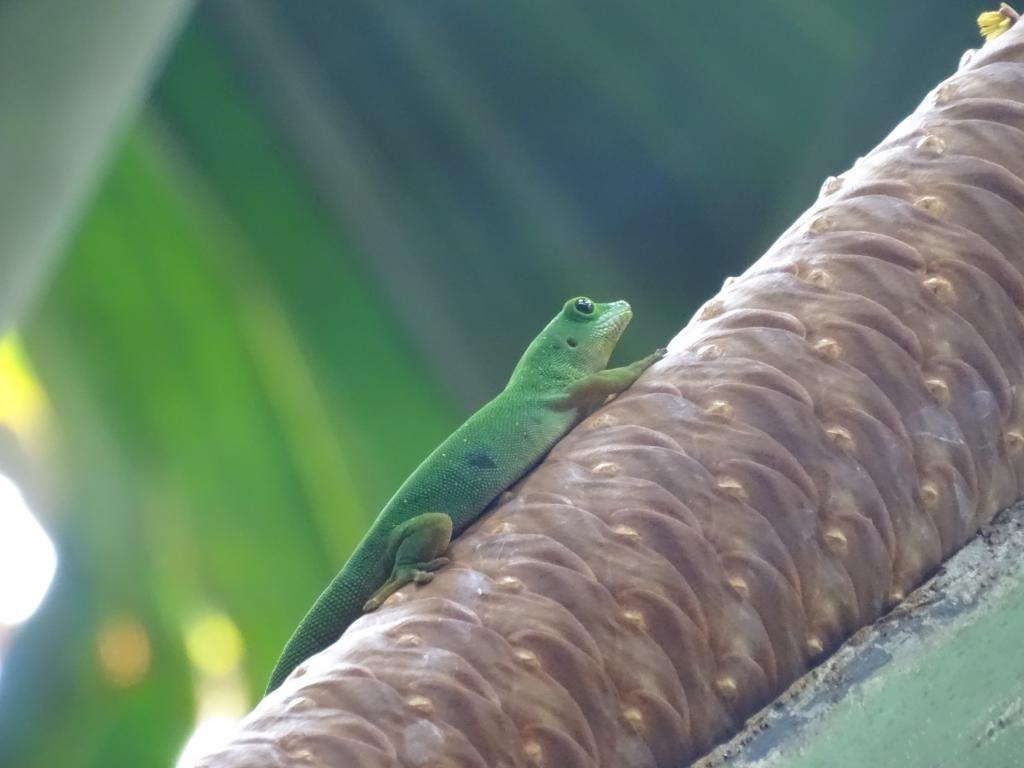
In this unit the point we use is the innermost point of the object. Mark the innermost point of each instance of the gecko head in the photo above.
(588, 332)
(578, 341)
(591, 329)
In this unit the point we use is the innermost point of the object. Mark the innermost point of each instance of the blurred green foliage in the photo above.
(327, 239)
(68, 86)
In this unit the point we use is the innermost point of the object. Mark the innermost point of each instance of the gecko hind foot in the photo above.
(417, 573)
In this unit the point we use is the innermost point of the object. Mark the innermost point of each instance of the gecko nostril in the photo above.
(571, 342)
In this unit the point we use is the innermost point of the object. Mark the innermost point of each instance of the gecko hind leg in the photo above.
(418, 545)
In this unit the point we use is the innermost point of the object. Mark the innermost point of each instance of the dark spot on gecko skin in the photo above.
(480, 460)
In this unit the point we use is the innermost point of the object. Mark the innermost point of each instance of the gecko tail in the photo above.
(332, 613)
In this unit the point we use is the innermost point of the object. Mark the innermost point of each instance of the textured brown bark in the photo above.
(822, 434)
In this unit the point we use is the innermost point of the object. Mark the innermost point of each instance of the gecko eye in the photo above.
(584, 305)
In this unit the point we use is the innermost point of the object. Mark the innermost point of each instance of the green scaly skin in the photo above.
(559, 380)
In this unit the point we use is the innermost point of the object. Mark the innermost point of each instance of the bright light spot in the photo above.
(208, 735)
(123, 648)
(27, 557)
(214, 647)
(23, 405)
(213, 644)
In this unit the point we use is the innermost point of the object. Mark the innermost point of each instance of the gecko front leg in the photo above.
(593, 389)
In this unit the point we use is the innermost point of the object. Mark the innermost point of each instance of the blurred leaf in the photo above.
(71, 76)
(222, 445)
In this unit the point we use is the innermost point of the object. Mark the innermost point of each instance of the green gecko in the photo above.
(559, 380)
